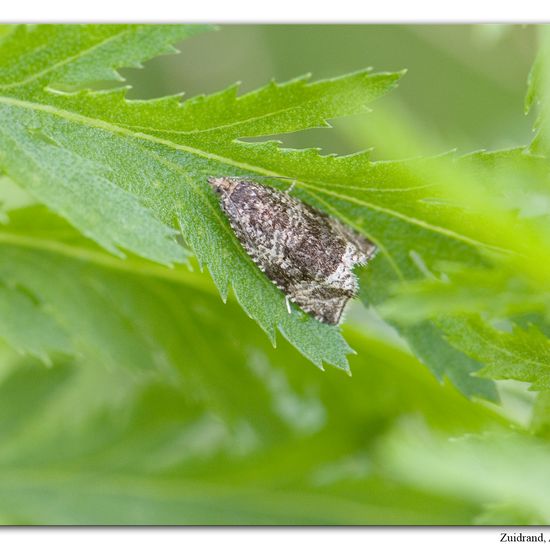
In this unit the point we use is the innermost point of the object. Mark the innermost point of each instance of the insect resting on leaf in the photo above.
(306, 253)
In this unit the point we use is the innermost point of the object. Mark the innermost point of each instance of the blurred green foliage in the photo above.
(465, 84)
(131, 394)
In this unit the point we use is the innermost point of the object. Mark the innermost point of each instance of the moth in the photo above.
(306, 253)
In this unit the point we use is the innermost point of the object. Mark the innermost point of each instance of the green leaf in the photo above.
(538, 89)
(128, 174)
(82, 54)
(426, 338)
(162, 455)
(27, 328)
(495, 291)
(120, 313)
(76, 276)
(501, 471)
(431, 213)
(178, 411)
(511, 352)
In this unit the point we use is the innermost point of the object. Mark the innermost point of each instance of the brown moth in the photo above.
(306, 253)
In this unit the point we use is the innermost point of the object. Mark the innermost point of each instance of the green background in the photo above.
(253, 435)
(465, 84)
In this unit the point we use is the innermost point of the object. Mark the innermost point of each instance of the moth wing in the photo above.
(365, 249)
(325, 302)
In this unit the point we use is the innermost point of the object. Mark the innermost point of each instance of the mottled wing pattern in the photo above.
(306, 253)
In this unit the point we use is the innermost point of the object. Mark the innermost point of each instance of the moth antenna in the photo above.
(292, 186)
(288, 305)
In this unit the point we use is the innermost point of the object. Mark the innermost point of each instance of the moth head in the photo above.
(222, 185)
